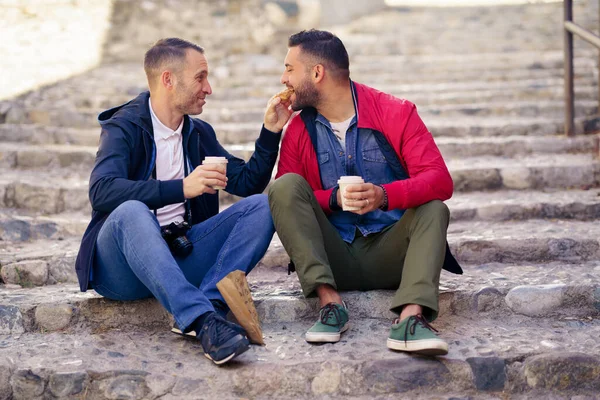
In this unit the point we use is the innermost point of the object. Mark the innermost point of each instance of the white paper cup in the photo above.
(343, 182)
(218, 161)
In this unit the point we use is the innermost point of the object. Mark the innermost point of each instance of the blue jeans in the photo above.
(134, 262)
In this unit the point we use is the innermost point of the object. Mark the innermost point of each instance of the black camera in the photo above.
(174, 235)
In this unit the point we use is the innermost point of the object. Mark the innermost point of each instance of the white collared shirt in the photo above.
(169, 164)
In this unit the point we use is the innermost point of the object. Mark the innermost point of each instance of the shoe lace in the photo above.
(330, 309)
(412, 323)
(220, 330)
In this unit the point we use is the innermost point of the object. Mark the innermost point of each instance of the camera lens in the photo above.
(181, 246)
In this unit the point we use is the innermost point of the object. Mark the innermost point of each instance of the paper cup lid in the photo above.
(350, 179)
(215, 160)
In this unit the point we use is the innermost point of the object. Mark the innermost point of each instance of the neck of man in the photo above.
(337, 104)
(169, 117)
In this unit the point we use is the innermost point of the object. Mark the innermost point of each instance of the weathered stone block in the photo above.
(35, 159)
(563, 371)
(516, 178)
(41, 117)
(26, 273)
(61, 269)
(404, 374)
(11, 320)
(186, 387)
(283, 309)
(53, 317)
(480, 179)
(15, 230)
(65, 384)
(536, 300)
(5, 374)
(27, 385)
(327, 380)
(488, 299)
(43, 199)
(75, 199)
(489, 373)
(75, 158)
(124, 385)
(160, 385)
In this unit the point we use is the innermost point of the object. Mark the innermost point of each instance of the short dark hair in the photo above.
(167, 51)
(326, 49)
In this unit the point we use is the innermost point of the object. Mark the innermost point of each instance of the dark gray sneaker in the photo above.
(220, 308)
(221, 339)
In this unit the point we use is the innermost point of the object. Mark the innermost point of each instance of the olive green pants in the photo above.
(406, 256)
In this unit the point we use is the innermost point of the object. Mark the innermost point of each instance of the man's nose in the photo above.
(207, 88)
(283, 79)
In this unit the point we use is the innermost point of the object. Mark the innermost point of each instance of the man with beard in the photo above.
(156, 230)
(395, 238)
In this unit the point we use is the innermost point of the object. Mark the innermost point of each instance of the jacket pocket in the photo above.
(373, 155)
(323, 157)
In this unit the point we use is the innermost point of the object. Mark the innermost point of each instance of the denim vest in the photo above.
(363, 157)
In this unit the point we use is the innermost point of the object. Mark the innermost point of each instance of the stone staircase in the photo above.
(522, 322)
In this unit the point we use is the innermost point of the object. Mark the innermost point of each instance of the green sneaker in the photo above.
(415, 335)
(333, 321)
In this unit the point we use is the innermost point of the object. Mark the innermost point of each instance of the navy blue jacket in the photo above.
(126, 159)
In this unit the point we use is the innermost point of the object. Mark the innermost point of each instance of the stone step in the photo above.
(533, 358)
(251, 109)
(49, 135)
(405, 90)
(403, 71)
(583, 205)
(423, 67)
(537, 290)
(484, 109)
(236, 133)
(59, 103)
(42, 156)
(51, 132)
(50, 259)
(61, 190)
(426, 65)
(19, 226)
(453, 98)
(15, 226)
(531, 172)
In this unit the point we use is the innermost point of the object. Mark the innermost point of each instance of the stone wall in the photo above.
(47, 40)
(222, 27)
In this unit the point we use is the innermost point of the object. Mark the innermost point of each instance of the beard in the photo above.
(185, 101)
(306, 96)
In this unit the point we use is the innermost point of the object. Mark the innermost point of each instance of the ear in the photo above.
(167, 80)
(318, 73)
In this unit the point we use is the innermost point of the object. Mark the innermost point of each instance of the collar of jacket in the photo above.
(137, 112)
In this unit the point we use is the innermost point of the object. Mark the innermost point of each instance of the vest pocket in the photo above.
(323, 157)
(375, 167)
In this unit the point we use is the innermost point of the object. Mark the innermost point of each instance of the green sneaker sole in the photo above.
(325, 337)
(428, 347)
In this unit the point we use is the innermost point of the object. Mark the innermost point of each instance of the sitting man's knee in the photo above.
(436, 209)
(131, 209)
(286, 186)
(259, 204)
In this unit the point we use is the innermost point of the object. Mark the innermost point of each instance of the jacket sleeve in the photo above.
(110, 185)
(291, 162)
(429, 178)
(252, 177)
